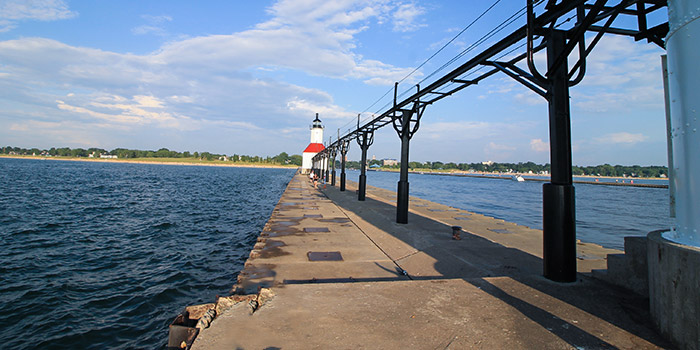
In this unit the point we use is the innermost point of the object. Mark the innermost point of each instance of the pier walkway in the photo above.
(346, 276)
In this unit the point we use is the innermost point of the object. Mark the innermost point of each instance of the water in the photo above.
(604, 214)
(104, 255)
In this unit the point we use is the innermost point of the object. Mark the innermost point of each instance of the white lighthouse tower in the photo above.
(314, 147)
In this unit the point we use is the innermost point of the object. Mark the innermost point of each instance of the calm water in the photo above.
(100, 255)
(604, 214)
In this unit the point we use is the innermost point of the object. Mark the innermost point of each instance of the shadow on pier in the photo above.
(502, 260)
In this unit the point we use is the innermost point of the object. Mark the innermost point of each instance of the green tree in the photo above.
(296, 159)
(281, 158)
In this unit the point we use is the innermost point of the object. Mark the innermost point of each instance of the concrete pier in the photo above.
(342, 274)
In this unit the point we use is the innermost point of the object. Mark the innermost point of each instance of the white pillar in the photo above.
(683, 50)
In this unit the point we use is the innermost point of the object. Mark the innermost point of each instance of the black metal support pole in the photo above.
(333, 168)
(559, 216)
(402, 192)
(343, 153)
(362, 188)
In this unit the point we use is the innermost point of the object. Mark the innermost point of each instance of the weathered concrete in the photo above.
(674, 290)
(412, 286)
(628, 270)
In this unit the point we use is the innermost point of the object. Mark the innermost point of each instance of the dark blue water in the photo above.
(589, 179)
(604, 214)
(104, 255)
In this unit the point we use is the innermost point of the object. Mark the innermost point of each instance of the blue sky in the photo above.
(246, 77)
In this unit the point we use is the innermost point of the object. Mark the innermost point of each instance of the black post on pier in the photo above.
(315, 167)
(365, 139)
(559, 215)
(403, 127)
(343, 153)
(333, 153)
(402, 193)
(326, 160)
(318, 167)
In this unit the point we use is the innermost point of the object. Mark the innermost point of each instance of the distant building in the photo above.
(108, 156)
(487, 163)
(314, 147)
(389, 162)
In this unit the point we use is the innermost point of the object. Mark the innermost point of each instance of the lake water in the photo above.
(604, 214)
(104, 255)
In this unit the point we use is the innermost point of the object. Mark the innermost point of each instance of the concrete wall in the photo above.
(306, 162)
(674, 290)
(628, 270)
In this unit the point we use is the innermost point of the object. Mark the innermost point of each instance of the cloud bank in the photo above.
(193, 84)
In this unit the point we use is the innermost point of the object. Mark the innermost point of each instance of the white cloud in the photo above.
(224, 82)
(621, 137)
(12, 11)
(538, 145)
(466, 129)
(622, 75)
(138, 110)
(6, 26)
(306, 108)
(195, 84)
(43, 10)
(500, 147)
(405, 17)
(155, 25)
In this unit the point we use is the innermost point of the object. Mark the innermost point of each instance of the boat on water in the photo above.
(518, 178)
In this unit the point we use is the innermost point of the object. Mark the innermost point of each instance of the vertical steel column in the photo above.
(559, 216)
(343, 154)
(327, 165)
(362, 188)
(402, 192)
(333, 154)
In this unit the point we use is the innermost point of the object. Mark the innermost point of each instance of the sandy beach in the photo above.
(168, 161)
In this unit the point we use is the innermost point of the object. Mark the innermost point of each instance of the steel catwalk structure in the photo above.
(513, 55)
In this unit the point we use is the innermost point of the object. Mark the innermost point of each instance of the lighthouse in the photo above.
(314, 147)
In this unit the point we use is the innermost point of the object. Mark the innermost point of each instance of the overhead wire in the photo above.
(504, 24)
(507, 22)
(434, 54)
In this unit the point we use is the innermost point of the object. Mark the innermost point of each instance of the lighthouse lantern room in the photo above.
(314, 147)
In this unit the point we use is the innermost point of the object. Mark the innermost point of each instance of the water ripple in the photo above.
(100, 255)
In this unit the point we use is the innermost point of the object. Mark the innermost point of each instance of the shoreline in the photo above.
(544, 178)
(127, 161)
(504, 175)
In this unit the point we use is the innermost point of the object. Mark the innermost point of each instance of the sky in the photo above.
(247, 77)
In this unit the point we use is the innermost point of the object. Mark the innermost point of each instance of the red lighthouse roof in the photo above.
(314, 148)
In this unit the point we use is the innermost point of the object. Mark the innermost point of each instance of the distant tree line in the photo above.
(282, 158)
(527, 167)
